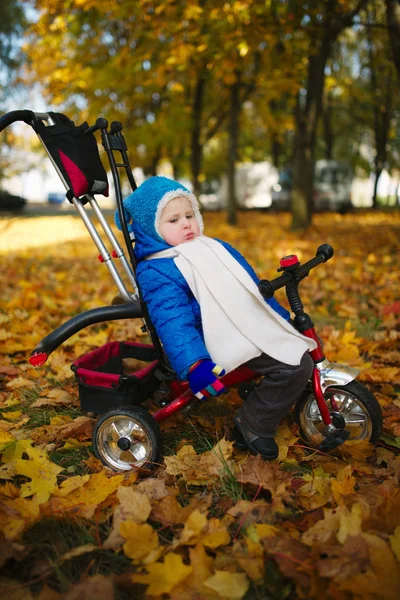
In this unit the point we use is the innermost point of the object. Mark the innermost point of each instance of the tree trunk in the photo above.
(328, 132)
(276, 151)
(301, 196)
(393, 22)
(233, 132)
(150, 168)
(308, 110)
(378, 173)
(196, 146)
(381, 87)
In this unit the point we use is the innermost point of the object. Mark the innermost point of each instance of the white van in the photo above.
(254, 182)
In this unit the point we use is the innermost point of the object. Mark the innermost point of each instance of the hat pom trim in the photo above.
(171, 195)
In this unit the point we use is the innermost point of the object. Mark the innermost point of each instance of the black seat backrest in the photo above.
(75, 153)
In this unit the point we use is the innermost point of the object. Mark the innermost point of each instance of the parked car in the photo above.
(9, 202)
(56, 197)
(332, 187)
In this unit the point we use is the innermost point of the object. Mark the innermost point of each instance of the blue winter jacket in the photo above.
(173, 309)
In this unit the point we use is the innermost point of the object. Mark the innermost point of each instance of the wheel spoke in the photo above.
(138, 451)
(114, 432)
(114, 449)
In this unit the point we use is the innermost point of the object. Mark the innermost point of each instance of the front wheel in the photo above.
(352, 407)
(127, 438)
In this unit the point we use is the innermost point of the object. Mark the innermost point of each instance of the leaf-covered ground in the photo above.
(213, 522)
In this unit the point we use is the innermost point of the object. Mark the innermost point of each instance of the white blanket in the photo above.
(238, 325)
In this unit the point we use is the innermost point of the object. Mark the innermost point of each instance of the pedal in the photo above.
(334, 440)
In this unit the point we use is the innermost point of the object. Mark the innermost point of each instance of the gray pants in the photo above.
(275, 395)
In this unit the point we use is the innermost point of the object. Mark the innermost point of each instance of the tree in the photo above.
(393, 23)
(316, 27)
(11, 25)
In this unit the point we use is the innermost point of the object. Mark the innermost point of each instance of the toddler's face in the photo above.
(178, 223)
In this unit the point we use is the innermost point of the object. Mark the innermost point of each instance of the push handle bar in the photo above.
(295, 273)
(16, 115)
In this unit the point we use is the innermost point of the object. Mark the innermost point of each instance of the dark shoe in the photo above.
(267, 448)
(238, 439)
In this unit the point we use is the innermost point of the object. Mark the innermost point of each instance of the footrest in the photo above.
(333, 440)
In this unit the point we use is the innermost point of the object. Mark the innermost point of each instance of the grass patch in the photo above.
(193, 435)
(72, 460)
(51, 539)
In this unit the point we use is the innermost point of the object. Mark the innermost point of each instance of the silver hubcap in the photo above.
(342, 403)
(124, 443)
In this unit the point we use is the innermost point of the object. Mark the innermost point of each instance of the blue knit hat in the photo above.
(145, 205)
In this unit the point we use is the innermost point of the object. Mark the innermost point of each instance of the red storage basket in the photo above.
(102, 383)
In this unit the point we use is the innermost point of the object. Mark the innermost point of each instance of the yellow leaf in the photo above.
(350, 522)
(12, 401)
(12, 416)
(343, 484)
(228, 585)
(265, 531)
(216, 534)
(162, 577)
(194, 525)
(395, 542)
(5, 439)
(176, 87)
(133, 506)
(57, 396)
(85, 499)
(72, 444)
(322, 530)
(202, 468)
(42, 472)
(243, 48)
(20, 382)
(71, 484)
(192, 586)
(9, 490)
(141, 540)
(315, 493)
(17, 515)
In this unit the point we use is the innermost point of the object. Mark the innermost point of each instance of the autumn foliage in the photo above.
(212, 522)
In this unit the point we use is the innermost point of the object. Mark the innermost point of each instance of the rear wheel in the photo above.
(127, 438)
(352, 407)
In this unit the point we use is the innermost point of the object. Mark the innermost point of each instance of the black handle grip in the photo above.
(116, 127)
(268, 288)
(100, 124)
(16, 115)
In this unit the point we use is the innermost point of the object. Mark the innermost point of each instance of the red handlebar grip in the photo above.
(38, 359)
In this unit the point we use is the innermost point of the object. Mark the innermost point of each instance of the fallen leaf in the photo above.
(134, 507)
(228, 585)
(141, 542)
(163, 577)
(54, 397)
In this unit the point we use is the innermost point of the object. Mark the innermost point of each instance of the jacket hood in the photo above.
(143, 208)
(145, 244)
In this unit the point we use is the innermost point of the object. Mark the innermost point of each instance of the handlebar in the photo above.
(16, 115)
(297, 272)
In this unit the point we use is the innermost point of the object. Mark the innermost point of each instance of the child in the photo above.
(204, 303)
